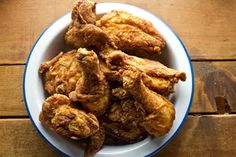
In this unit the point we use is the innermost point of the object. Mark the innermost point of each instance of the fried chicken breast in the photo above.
(131, 33)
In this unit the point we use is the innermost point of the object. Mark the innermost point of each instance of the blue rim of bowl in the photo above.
(163, 145)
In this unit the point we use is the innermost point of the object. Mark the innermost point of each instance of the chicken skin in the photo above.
(123, 120)
(92, 90)
(131, 33)
(160, 111)
(156, 76)
(61, 73)
(96, 142)
(82, 31)
(58, 113)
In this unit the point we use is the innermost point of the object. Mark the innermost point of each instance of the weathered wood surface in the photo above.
(206, 27)
(208, 135)
(215, 88)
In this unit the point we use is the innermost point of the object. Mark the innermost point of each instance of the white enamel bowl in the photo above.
(51, 42)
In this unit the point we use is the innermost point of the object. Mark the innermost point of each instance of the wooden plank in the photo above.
(208, 135)
(11, 98)
(20, 139)
(215, 89)
(206, 27)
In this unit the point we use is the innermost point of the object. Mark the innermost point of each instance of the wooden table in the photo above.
(207, 28)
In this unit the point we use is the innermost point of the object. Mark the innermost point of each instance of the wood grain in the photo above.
(208, 135)
(11, 94)
(212, 81)
(206, 27)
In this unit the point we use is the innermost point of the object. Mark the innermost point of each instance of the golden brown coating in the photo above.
(61, 73)
(160, 111)
(84, 12)
(92, 90)
(82, 31)
(59, 115)
(123, 120)
(120, 93)
(96, 142)
(131, 33)
(156, 76)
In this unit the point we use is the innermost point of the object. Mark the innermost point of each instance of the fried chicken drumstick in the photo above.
(161, 112)
(92, 90)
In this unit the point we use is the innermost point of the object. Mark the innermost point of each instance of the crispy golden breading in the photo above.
(156, 76)
(82, 31)
(59, 114)
(160, 111)
(109, 97)
(131, 33)
(95, 143)
(61, 73)
(123, 120)
(92, 90)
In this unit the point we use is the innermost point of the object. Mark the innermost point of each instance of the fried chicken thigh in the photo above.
(156, 76)
(92, 90)
(160, 111)
(61, 73)
(131, 33)
(59, 114)
(82, 31)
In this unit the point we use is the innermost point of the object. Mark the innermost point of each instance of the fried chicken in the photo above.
(58, 113)
(61, 73)
(156, 76)
(92, 90)
(123, 120)
(131, 33)
(160, 111)
(82, 31)
(95, 143)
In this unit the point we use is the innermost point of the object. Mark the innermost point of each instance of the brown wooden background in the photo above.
(207, 28)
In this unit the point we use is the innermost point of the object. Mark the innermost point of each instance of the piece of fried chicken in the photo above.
(58, 113)
(160, 111)
(123, 120)
(82, 31)
(96, 142)
(61, 73)
(131, 33)
(156, 76)
(92, 90)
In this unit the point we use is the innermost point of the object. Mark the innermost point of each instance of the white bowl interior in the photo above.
(52, 42)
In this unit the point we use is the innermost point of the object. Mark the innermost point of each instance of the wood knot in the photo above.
(222, 105)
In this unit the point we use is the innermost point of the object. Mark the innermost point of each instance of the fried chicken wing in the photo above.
(82, 31)
(131, 33)
(61, 73)
(156, 76)
(59, 114)
(160, 111)
(92, 90)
